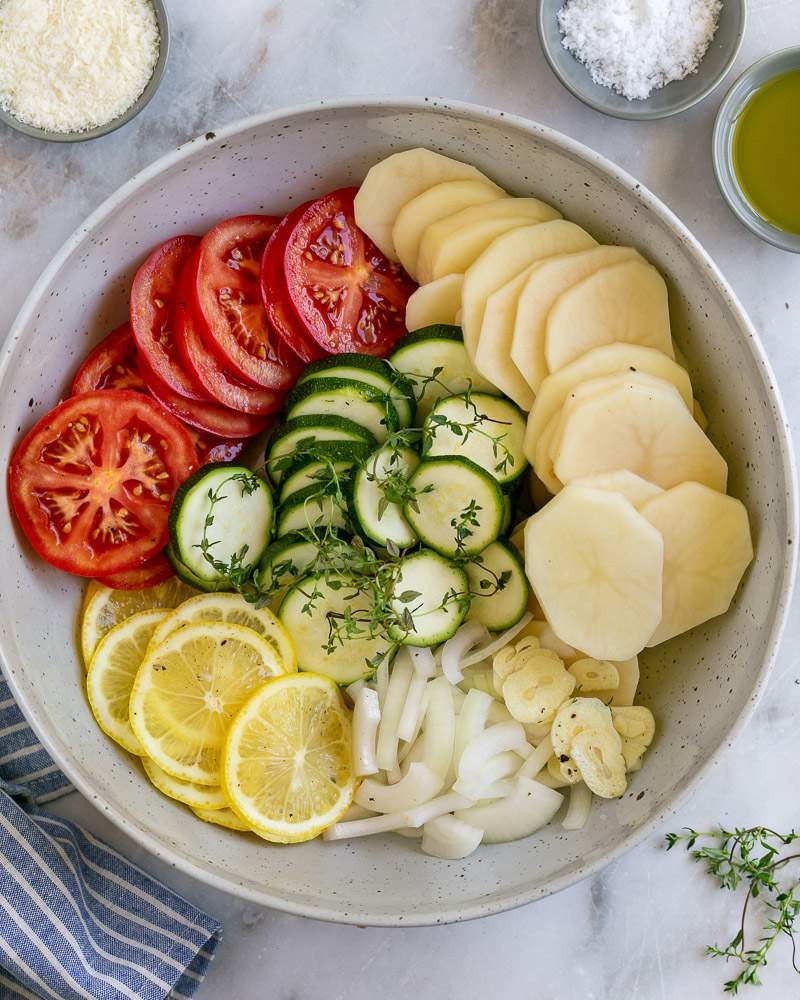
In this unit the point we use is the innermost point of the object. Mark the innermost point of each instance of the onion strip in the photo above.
(502, 640)
(391, 711)
(424, 661)
(454, 650)
(538, 759)
(580, 804)
(418, 785)
(489, 743)
(411, 716)
(366, 716)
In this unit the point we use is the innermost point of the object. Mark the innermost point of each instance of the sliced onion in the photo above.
(439, 727)
(364, 827)
(382, 680)
(580, 804)
(529, 807)
(353, 689)
(499, 713)
(492, 741)
(454, 650)
(502, 765)
(391, 710)
(418, 785)
(538, 759)
(471, 720)
(407, 746)
(354, 812)
(502, 640)
(411, 717)
(480, 676)
(450, 838)
(424, 661)
(393, 775)
(366, 716)
(439, 806)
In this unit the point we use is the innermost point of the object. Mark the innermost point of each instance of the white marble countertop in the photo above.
(638, 929)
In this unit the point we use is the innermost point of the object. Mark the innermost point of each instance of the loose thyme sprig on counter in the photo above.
(752, 856)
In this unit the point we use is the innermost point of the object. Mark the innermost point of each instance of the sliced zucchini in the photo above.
(431, 599)
(419, 354)
(188, 577)
(305, 610)
(286, 560)
(508, 513)
(498, 586)
(308, 509)
(292, 439)
(242, 519)
(363, 404)
(374, 499)
(313, 467)
(374, 372)
(458, 508)
(488, 429)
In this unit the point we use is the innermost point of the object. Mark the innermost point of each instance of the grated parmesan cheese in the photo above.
(71, 65)
(637, 46)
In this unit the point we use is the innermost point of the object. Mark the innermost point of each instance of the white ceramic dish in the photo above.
(702, 687)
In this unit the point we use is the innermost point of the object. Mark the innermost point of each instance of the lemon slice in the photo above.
(103, 608)
(222, 817)
(196, 796)
(112, 671)
(235, 609)
(286, 766)
(188, 689)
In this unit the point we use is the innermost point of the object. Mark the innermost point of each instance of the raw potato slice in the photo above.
(647, 430)
(608, 360)
(546, 282)
(503, 260)
(509, 211)
(437, 302)
(635, 489)
(501, 308)
(624, 303)
(699, 416)
(624, 694)
(595, 566)
(707, 548)
(436, 203)
(393, 182)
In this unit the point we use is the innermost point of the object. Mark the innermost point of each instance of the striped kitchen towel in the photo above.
(77, 919)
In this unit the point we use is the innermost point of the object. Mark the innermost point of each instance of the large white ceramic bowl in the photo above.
(701, 687)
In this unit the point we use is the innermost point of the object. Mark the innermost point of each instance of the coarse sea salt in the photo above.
(637, 46)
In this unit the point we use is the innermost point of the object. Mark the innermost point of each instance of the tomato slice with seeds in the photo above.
(113, 364)
(155, 570)
(153, 294)
(214, 449)
(204, 366)
(227, 296)
(275, 297)
(92, 482)
(347, 295)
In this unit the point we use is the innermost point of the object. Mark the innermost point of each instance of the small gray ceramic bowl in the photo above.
(675, 97)
(722, 145)
(120, 120)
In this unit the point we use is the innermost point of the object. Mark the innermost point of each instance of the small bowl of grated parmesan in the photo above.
(72, 70)
(641, 59)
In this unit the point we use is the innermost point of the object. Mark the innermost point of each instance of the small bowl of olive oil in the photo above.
(756, 149)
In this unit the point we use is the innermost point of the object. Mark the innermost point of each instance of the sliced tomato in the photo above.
(208, 417)
(280, 312)
(155, 570)
(153, 295)
(228, 301)
(113, 364)
(347, 295)
(92, 482)
(214, 449)
(205, 367)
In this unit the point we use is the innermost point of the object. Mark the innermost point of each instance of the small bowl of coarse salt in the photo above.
(641, 59)
(72, 70)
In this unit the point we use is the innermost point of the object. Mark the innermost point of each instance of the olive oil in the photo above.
(766, 151)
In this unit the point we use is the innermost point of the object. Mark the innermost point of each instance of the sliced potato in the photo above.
(624, 303)
(395, 181)
(435, 203)
(700, 418)
(624, 694)
(644, 428)
(437, 302)
(607, 360)
(595, 566)
(707, 548)
(635, 489)
(504, 259)
(440, 246)
(492, 353)
(545, 283)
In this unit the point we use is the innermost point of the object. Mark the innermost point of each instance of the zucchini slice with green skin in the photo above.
(508, 513)
(498, 586)
(305, 470)
(294, 437)
(286, 560)
(309, 510)
(420, 353)
(431, 597)
(344, 397)
(372, 371)
(304, 611)
(186, 575)
(242, 517)
(488, 429)
(380, 519)
(458, 507)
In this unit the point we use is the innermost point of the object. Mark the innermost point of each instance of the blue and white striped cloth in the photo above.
(78, 921)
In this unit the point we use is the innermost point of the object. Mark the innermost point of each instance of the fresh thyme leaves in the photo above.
(474, 425)
(463, 524)
(237, 570)
(753, 857)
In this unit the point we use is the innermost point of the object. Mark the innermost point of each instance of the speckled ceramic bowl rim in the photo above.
(499, 902)
(732, 106)
(641, 114)
(138, 105)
